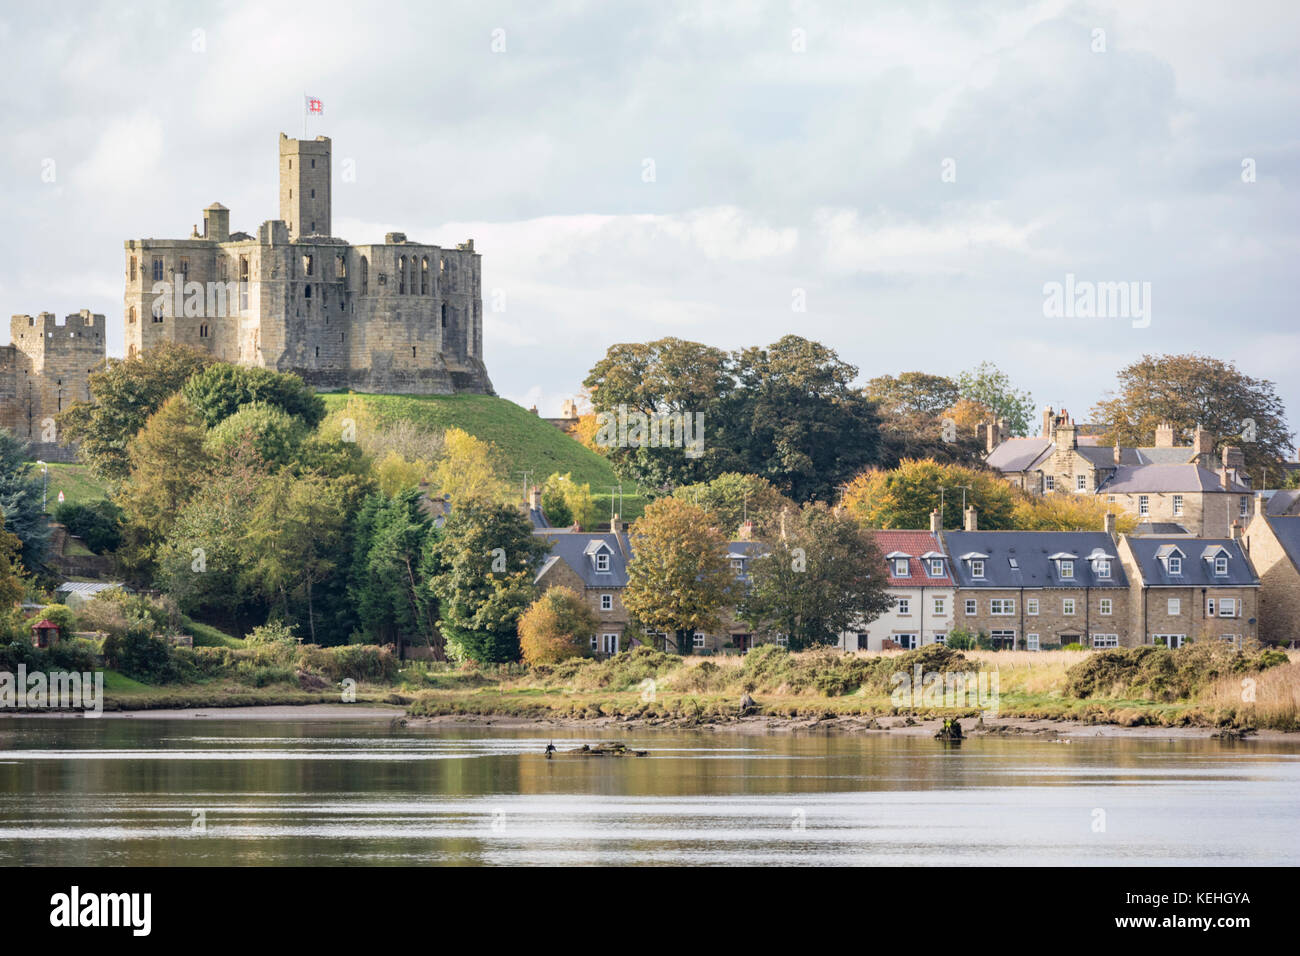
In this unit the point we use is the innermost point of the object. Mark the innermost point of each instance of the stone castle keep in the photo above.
(401, 317)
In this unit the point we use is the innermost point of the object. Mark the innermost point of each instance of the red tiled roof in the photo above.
(45, 625)
(913, 544)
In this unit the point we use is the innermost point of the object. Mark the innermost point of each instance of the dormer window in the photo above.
(1221, 564)
(1067, 569)
(976, 568)
(602, 562)
(1175, 564)
(901, 569)
(936, 567)
(1103, 568)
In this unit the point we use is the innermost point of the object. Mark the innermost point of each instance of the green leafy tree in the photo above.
(480, 568)
(992, 388)
(679, 578)
(168, 464)
(732, 498)
(222, 389)
(97, 523)
(276, 436)
(924, 416)
(566, 502)
(1190, 390)
(669, 376)
(20, 500)
(13, 583)
(819, 575)
(796, 420)
(125, 393)
(393, 602)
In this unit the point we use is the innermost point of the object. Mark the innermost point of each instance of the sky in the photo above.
(899, 181)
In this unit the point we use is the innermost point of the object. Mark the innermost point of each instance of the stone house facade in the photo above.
(1036, 590)
(1272, 543)
(1187, 588)
(922, 586)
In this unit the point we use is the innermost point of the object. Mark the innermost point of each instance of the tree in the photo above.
(913, 392)
(679, 578)
(820, 574)
(565, 502)
(480, 568)
(125, 393)
(1190, 390)
(275, 435)
(669, 376)
(168, 463)
(557, 626)
(795, 419)
(1061, 511)
(20, 500)
(393, 602)
(13, 583)
(732, 498)
(905, 496)
(469, 469)
(219, 390)
(992, 388)
(294, 538)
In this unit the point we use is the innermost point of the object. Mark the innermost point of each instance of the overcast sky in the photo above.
(630, 171)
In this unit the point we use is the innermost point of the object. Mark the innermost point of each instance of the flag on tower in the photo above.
(314, 105)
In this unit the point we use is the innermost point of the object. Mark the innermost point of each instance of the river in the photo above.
(248, 792)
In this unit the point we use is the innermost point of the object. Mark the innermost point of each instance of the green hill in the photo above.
(527, 442)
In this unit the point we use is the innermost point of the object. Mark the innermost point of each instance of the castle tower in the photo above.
(305, 185)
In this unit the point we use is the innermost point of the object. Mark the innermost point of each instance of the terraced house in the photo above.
(921, 584)
(1272, 543)
(1037, 590)
(1190, 588)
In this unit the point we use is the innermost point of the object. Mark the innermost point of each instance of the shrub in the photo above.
(98, 524)
(140, 655)
(557, 626)
(960, 640)
(1161, 674)
(358, 662)
(73, 654)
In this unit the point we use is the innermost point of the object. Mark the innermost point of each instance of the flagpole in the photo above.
(304, 116)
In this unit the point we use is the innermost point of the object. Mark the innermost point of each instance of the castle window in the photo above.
(313, 166)
(412, 351)
(306, 292)
(133, 268)
(157, 311)
(203, 331)
(444, 315)
(424, 275)
(290, 193)
(157, 270)
(313, 228)
(291, 164)
(365, 275)
(307, 265)
(341, 268)
(130, 315)
(185, 267)
(318, 351)
(313, 192)
(401, 275)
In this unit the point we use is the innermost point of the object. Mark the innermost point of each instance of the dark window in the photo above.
(157, 270)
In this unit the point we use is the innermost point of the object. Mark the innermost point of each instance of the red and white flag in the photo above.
(314, 105)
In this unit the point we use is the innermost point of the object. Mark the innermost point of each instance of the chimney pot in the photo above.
(971, 519)
(1108, 523)
(936, 521)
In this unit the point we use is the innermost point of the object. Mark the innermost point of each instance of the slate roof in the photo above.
(1103, 456)
(1198, 564)
(1032, 551)
(1142, 479)
(913, 544)
(577, 550)
(1164, 455)
(1286, 502)
(1287, 530)
(1165, 528)
(1019, 454)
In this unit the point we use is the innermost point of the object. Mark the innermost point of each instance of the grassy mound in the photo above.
(530, 443)
(1157, 673)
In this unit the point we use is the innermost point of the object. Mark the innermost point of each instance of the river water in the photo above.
(251, 792)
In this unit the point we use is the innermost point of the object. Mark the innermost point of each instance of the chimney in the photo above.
(1236, 530)
(1164, 435)
(1203, 447)
(746, 532)
(216, 223)
(992, 435)
(1225, 478)
(1047, 422)
(614, 525)
(535, 498)
(1117, 452)
(1234, 458)
(1260, 506)
(1067, 433)
(971, 522)
(936, 521)
(1108, 523)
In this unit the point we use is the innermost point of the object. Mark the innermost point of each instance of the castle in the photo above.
(401, 317)
(45, 368)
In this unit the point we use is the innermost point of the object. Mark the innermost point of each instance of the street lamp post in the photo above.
(45, 482)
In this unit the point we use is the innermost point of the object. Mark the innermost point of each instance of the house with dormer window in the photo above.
(921, 585)
(1037, 590)
(1187, 589)
(1272, 542)
(594, 564)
